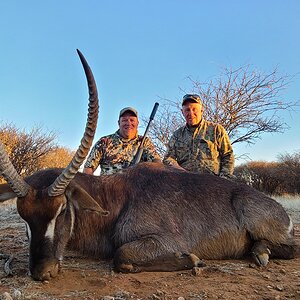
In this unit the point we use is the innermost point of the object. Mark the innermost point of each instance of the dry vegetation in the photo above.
(34, 150)
(83, 278)
(246, 101)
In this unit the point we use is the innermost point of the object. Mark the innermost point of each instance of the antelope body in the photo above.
(148, 218)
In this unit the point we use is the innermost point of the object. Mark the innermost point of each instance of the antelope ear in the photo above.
(6, 193)
(82, 200)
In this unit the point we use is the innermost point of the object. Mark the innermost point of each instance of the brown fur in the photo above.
(159, 219)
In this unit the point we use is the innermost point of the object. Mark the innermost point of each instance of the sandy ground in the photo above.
(83, 278)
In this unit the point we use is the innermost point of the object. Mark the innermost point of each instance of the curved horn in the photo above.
(8, 171)
(61, 182)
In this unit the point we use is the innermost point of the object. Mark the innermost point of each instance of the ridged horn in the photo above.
(61, 182)
(8, 171)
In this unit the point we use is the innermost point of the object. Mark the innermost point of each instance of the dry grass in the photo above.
(89, 279)
(291, 205)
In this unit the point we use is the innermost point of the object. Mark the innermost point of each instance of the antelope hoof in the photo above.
(262, 259)
(196, 261)
(260, 253)
(128, 268)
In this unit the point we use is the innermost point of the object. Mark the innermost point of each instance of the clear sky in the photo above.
(139, 51)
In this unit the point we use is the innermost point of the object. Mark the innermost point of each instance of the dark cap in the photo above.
(191, 98)
(130, 109)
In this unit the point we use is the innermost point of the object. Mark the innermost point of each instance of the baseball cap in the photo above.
(130, 109)
(191, 98)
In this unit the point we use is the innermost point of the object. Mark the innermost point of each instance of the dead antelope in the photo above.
(160, 218)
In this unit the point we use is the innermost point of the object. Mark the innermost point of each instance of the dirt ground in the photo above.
(83, 278)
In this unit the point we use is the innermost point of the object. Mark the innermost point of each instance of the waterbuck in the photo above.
(148, 218)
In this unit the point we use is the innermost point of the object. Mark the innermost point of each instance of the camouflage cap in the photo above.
(191, 98)
(130, 109)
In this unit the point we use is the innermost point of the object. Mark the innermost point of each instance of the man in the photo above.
(115, 152)
(200, 146)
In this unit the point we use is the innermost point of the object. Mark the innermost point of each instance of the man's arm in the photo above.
(226, 153)
(149, 151)
(170, 156)
(94, 158)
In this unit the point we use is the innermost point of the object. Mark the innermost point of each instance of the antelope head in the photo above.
(44, 199)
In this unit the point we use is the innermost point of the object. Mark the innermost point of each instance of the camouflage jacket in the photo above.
(204, 149)
(114, 153)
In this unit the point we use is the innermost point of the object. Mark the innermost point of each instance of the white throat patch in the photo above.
(51, 226)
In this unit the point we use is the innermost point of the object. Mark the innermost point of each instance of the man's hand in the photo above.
(88, 171)
(227, 176)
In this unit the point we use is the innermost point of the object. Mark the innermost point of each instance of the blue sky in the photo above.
(139, 51)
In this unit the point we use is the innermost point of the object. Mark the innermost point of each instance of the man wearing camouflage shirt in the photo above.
(115, 152)
(200, 146)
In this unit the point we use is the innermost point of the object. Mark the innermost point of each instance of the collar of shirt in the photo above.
(195, 129)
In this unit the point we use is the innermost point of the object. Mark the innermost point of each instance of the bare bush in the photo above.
(33, 150)
(290, 171)
(261, 175)
(273, 178)
(246, 102)
(59, 157)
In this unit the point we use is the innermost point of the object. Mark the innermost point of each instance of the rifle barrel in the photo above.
(139, 153)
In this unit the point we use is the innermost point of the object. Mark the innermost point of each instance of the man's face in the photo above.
(192, 113)
(128, 124)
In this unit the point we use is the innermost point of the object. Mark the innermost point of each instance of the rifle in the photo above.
(139, 153)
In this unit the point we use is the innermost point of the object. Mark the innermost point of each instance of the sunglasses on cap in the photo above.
(191, 97)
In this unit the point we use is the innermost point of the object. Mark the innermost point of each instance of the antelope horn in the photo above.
(61, 182)
(8, 171)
